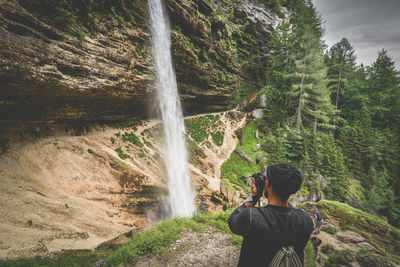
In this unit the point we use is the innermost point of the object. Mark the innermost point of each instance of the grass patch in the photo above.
(66, 258)
(201, 127)
(90, 151)
(309, 255)
(131, 137)
(141, 154)
(218, 138)
(337, 258)
(158, 239)
(249, 141)
(195, 151)
(147, 143)
(127, 124)
(331, 230)
(121, 153)
(326, 248)
(233, 169)
(155, 241)
(373, 228)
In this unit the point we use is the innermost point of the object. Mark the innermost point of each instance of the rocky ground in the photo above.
(197, 249)
(214, 249)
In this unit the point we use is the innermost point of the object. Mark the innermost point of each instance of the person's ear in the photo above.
(266, 183)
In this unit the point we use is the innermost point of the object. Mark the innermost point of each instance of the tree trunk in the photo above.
(298, 123)
(338, 87)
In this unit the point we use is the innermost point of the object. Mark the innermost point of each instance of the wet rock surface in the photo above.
(100, 67)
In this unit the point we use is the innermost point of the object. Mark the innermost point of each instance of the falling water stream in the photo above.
(180, 190)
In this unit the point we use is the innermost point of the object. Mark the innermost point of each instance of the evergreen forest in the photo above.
(334, 118)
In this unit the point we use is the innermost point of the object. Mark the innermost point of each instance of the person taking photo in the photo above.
(272, 232)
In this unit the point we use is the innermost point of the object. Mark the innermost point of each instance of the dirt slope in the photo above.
(75, 192)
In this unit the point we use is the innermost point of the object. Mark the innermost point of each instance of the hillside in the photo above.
(205, 240)
(76, 192)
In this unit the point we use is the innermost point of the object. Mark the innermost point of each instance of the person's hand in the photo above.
(254, 191)
(253, 194)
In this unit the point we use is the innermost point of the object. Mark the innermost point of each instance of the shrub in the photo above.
(90, 151)
(331, 230)
(218, 138)
(131, 137)
(337, 258)
(326, 249)
(309, 255)
(121, 154)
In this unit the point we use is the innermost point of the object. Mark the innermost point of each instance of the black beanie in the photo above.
(284, 178)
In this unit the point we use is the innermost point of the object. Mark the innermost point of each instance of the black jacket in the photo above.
(263, 230)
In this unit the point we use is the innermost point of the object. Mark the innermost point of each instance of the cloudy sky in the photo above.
(369, 25)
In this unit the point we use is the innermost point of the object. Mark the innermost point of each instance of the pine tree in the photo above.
(355, 94)
(341, 62)
(309, 85)
(384, 91)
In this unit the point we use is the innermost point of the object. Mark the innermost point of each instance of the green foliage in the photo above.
(112, 139)
(218, 138)
(65, 259)
(380, 195)
(80, 35)
(141, 154)
(90, 151)
(315, 153)
(120, 18)
(248, 142)
(61, 18)
(147, 143)
(243, 93)
(331, 230)
(158, 239)
(201, 127)
(384, 92)
(309, 90)
(341, 61)
(326, 248)
(338, 257)
(121, 153)
(155, 241)
(131, 137)
(127, 124)
(370, 226)
(195, 151)
(235, 167)
(275, 148)
(309, 255)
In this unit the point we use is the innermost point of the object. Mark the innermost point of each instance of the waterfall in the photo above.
(181, 194)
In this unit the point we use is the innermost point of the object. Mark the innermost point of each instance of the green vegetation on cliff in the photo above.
(377, 231)
(236, 167)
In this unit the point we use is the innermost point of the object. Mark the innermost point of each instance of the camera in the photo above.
(260, 183)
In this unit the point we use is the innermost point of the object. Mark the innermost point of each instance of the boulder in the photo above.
(296, 199)
(370, 260)
(350, 237)
(243, 156)
(257, 113)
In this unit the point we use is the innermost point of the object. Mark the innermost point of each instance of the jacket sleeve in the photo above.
(239, 221)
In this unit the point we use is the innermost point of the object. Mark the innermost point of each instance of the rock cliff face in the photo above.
(76, 60)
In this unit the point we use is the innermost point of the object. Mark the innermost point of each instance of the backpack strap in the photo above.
(286, 255)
